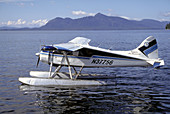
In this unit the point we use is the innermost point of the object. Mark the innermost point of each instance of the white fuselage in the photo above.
(93, 61)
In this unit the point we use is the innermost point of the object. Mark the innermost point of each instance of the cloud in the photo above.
(39, 22)
(78, 12)
(164, 20)
(125, 17)
(19, 22)
(166, 14)
(128, 18)
(14, 0)
(21, 4)
(14, 23)
(23, 23)
(82, 13)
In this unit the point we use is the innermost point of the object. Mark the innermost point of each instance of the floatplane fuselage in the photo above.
(78, 53)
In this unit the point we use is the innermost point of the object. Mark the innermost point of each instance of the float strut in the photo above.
(79, 72)
(56, 70)
(74, 70)
(69, 68)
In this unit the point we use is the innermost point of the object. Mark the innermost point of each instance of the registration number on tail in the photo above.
(102, 61)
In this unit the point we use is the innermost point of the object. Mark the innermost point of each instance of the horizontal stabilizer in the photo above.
(156, 64)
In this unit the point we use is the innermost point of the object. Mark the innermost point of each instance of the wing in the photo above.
(80, 40)
(73, 45)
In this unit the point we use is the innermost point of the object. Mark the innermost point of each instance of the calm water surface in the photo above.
(132, 90)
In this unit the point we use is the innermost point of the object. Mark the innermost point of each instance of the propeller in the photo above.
(38, 61)
(50, 50)
(38, 54)
(45, 48)
(49, 57)
(51, 64)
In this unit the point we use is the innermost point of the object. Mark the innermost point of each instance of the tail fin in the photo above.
(149, 47)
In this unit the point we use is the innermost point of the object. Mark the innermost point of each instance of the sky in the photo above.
(35, 13)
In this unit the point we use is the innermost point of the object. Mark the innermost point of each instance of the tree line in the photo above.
(168, 26)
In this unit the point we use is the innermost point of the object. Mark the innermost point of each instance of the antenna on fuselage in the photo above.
(41, 44)
(99, 45)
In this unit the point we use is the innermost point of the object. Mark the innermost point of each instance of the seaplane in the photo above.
(78, 54)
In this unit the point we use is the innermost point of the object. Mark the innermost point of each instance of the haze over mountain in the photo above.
(102, 22)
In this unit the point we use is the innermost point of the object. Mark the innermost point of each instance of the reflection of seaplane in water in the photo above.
(78, 53)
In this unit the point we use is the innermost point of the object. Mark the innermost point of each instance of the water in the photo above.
(133, 90)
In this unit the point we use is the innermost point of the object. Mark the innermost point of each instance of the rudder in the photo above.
(149, 47)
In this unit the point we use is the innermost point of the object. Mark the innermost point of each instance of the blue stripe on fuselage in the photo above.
(58, 55)
(113, 58)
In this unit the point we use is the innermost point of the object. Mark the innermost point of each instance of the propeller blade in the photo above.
(51, 65)
(49, 57)
(38, 61)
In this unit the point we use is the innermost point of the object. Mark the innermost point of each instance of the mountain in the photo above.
(102, 22)
(7, 28)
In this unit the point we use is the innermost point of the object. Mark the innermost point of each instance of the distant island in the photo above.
(167, 26)
(99, 22)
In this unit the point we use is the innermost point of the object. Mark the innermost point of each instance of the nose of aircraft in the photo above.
(37, 54)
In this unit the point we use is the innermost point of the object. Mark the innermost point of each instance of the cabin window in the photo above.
(69, 53)
(90, 52)
(57, 52)
(75, 53)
